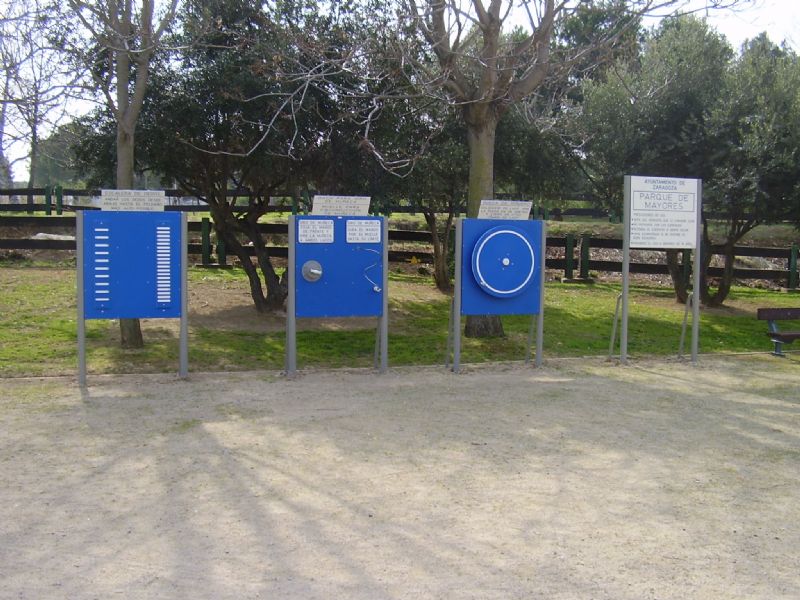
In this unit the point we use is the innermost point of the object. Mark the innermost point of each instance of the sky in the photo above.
(779, 18)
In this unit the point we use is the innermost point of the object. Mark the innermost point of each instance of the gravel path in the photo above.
(583, 479)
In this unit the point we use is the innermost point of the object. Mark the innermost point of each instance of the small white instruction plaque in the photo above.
(513, 210)
(663, 212)
(363, 231)
(341, 206)
(315, 231)
(137, 200)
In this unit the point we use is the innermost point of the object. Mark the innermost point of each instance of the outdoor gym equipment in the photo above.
(499, 271)
(338, 267)
(131, 265)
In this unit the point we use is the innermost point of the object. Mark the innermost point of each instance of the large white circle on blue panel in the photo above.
(503, 262)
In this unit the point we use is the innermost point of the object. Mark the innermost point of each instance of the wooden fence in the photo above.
(575, 258)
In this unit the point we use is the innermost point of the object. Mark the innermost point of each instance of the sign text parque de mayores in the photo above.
(664, 201)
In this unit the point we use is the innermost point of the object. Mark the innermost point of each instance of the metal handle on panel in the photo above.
(312, 271)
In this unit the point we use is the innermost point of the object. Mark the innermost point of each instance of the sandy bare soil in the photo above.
(583, 479)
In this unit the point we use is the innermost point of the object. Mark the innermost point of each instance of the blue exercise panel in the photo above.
(131, 265)
(500, 267)
(338, 268)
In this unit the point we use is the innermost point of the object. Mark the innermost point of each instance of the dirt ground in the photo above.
(581, 479)
(219, 304)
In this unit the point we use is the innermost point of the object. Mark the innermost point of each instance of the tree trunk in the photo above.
(34, 160)
(275, 291)
(677, 272)
(480, 139)
(441, 250)
(130, 330)
(233, 245)
(481, 130)
(6, 180)
(33, 169)
(725, 283)
(125, 142)
(34, 155)
(228, 227)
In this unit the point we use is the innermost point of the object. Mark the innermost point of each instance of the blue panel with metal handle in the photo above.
(338, 266)
(132, 265)
(501, 267)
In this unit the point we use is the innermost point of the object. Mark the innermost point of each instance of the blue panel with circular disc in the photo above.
(500, 271)
(503, 262)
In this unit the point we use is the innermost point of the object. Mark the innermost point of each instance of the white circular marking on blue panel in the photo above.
(502, 266)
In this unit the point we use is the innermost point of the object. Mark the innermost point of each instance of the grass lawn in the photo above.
(38, 327)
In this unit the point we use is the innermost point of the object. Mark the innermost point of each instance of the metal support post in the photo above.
(696, 286)
(384, 320)
(80, 300)
(457, 301)
(540, 315)
(689, 303)
(614, 328)
(183, 367)
(626, 266)
(291, 318)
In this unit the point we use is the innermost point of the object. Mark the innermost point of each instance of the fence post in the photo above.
(59, 199)
(793, 267)
(222, 257)
(205, 235)
(48, 200)
(586, 244)
(569, 256)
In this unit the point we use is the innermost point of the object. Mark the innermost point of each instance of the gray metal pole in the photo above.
(183, 369)
(626, 264)
(384, 324)
(80, 302)
(457, 300)
(614, 328)
(682, 343)
(291, 319)
(696, 284)
(377, 350)
(540, 317)
(449, 350)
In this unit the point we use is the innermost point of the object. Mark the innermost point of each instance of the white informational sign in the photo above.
(341, 206)
(514, 210)
(315, 231)
(363, 232)
(136, 200)
(663, 212)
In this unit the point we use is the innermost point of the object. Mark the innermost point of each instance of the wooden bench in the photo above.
(779, 338)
